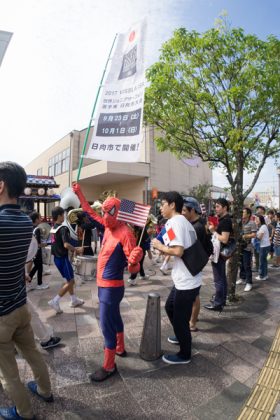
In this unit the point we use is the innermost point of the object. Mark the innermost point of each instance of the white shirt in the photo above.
(265, 239)
(185, 236)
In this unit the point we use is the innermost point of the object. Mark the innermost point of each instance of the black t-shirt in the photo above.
(203, 236)
(200, 230)
(224, 225)
(61, 237)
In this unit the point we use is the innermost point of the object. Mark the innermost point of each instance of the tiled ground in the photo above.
(231, 349)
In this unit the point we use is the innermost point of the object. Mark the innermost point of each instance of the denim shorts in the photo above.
(277, 250)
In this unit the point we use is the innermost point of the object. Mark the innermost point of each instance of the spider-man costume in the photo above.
(118, 250)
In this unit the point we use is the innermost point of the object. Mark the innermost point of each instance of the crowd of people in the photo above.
(183, 222)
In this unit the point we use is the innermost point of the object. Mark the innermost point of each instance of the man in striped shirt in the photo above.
(15, 330)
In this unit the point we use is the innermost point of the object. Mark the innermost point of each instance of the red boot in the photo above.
(120, 350)
(108, 369)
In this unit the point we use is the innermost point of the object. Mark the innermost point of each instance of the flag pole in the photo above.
(93, 110)
(140, 239)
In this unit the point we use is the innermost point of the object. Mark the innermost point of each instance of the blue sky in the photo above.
(52, 68)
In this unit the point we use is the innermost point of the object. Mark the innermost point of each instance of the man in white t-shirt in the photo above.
(179, 235)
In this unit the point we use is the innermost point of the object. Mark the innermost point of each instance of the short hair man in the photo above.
(223, 231)
(192, 212)
(260, 210)
(186, 287)
(249, 230)
(15, 330)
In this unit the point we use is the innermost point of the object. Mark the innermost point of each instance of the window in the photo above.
(59, 163)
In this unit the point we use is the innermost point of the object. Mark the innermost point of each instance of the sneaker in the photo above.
(42, 286)
(131, 282)
(33, 387)
(77, 302)
(174, 359)
(164, 271)
(248, 287)
(240, 281)
(52, 342)
(55, 306)
(10, 413)
(261, 278)
(173, 340)
(144, 277)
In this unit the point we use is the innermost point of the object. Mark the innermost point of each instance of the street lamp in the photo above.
(278, 173)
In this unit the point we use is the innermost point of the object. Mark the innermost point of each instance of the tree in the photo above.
(216, 95)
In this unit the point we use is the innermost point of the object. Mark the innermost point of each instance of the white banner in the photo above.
(117, 133)
(4, 42)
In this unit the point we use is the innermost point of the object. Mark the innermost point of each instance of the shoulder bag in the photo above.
(228, 249)
(195, 258)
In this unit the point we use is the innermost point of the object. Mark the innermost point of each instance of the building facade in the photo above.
(156, 171)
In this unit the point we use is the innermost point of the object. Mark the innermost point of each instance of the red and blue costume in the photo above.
(118, 251)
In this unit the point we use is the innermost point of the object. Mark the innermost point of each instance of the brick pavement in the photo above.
(232, 348)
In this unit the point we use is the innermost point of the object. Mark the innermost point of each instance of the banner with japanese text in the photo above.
(117, 134)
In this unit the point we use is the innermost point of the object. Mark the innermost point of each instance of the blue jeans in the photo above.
(220, 280)
(263, 261)
(246, 266)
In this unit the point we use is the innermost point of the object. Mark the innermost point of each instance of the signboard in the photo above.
(117, 133)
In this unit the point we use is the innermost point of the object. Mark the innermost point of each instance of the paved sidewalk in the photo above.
(232, 348)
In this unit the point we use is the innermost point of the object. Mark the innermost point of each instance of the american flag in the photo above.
(133, 213)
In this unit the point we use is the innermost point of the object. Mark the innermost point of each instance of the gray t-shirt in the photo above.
(248, 228)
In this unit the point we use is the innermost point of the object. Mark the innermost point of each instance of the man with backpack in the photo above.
(192, 212)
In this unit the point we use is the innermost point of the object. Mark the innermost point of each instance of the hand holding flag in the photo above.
(134, 213)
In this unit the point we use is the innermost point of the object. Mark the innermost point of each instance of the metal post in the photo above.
(150, 347)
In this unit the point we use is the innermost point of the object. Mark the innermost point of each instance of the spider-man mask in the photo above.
(110, 208)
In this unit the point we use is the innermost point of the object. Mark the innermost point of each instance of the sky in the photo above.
(52, 68)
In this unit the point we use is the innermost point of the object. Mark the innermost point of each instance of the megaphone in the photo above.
(69, 199)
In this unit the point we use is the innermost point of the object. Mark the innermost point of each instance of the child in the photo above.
(60, 247)
(145, 244)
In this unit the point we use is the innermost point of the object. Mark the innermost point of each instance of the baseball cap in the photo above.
(193, 204)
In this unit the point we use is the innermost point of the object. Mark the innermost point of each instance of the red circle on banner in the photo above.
(131, 36)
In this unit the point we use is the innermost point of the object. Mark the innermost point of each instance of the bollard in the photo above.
(150, 346)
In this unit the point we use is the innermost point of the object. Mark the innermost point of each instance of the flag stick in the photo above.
(93, 111)
(140, 239)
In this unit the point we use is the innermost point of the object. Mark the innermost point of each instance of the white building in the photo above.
(135, 181)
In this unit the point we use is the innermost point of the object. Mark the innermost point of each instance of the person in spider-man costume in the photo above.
(118, 250)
